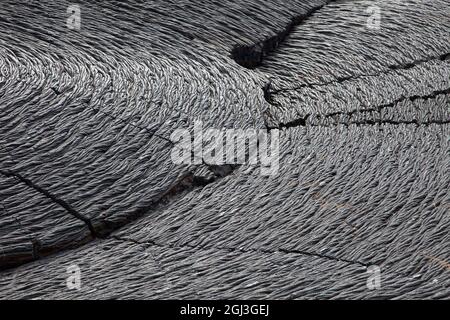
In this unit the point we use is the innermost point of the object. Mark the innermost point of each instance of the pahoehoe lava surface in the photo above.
(87, 179)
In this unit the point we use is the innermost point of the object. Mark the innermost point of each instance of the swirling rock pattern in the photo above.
(86, 176)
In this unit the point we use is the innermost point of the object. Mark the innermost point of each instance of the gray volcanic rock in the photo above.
(87, 177)
(32, 224)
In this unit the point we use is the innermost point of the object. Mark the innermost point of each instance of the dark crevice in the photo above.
(241, 250)
(369, 123)
(180, 188)
(102, 229)
(393, 122)
(269, 93)
(52, 197)
(10, 261)
(56, 91)
(302, 122)
(38, 250)
(252, 56)
(150, 243)
(410, 65)
(413, 98)
(363, 123)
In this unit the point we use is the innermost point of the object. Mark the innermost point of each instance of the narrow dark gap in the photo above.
(185, 184)
(302, 121)
(102, 229)
(62, 203)
(412, 64)
(413, 98)
(252, 56)
(241, 250)
(269, 92)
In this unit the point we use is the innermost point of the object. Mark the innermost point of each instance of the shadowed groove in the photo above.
(52, 197)
(86, 118)
(252, 56)
(302, 122)
(185, 184)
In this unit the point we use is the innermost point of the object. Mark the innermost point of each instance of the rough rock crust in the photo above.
(86, 176)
